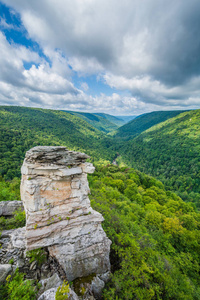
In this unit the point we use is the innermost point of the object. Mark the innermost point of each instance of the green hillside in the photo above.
(171, 152)
(143, 122)
(113, 119)
(102, 122)
(23, 128)
(155, 251)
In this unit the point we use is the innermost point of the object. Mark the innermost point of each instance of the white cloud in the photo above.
(149, 49)
(153, 91)
(85, 66)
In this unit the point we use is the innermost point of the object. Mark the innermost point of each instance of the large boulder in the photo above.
(7, 208)
(54, 191)
(5, 270)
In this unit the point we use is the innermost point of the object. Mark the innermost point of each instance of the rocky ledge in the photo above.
(54, 191)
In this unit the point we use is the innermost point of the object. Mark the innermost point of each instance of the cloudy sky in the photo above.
(122, 57)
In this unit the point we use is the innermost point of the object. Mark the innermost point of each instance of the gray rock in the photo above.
(48, 295)
(6, 233)
(97, 286)
(20, 263)
(4, 271)
(7, 208)
(72, 295)
(18, 238)
(52, 282)
(105, 276)
(54, 154)
(51, 293)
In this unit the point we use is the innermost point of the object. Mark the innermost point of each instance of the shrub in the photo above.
(62, 291)
(38, 255)
(16, 288)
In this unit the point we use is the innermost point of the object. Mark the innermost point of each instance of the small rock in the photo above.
(18, 238)
(52, 282)
(33, 265)
(97, 286)
(48, 295)
(20, 263)
(4, 271)
(51, 293)
(105, 277)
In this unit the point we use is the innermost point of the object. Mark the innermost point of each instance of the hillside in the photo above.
(127, 119)
(23, 128)
(113, 119)
(155, 234)
(143, 122)
(103, 122)
(171, 152)
(155, 237)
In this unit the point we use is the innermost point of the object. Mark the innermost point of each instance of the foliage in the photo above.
(39, 255)
(102, 122)
(9, 190)
(62, 291)
(155, 252)
(18, 220)
(23, 128)
(143, 122)
(170, 151)
(16, 288)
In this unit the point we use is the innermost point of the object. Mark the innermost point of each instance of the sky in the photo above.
(124, 57)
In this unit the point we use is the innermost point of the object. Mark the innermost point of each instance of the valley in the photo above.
(153, 222)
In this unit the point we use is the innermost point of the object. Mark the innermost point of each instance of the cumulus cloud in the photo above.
(150, 49)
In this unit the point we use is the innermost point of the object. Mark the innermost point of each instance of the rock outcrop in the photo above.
(54, 191)
(7, 208)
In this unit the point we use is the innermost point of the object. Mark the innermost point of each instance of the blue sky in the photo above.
(123, 58)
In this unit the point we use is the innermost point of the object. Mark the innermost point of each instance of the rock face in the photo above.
(7, 208)
(54, 191)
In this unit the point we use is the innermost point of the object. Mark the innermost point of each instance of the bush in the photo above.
(62, 291)
(16, 288)
(38, 255)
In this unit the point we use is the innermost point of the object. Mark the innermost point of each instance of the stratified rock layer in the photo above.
(54, 191)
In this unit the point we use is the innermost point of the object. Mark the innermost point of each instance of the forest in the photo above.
(170, 152)
(153, 222)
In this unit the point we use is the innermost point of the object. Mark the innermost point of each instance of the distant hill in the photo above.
(127, 119)
(171, 152)
(23, 128)
(143, 122)
(113, 119)
(103, 122)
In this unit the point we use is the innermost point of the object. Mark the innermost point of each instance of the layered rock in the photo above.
(54, 191)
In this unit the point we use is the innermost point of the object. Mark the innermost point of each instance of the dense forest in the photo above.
(144, 122)
(171, 152)
(23, 128)
(155, 252)
(102, 122)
